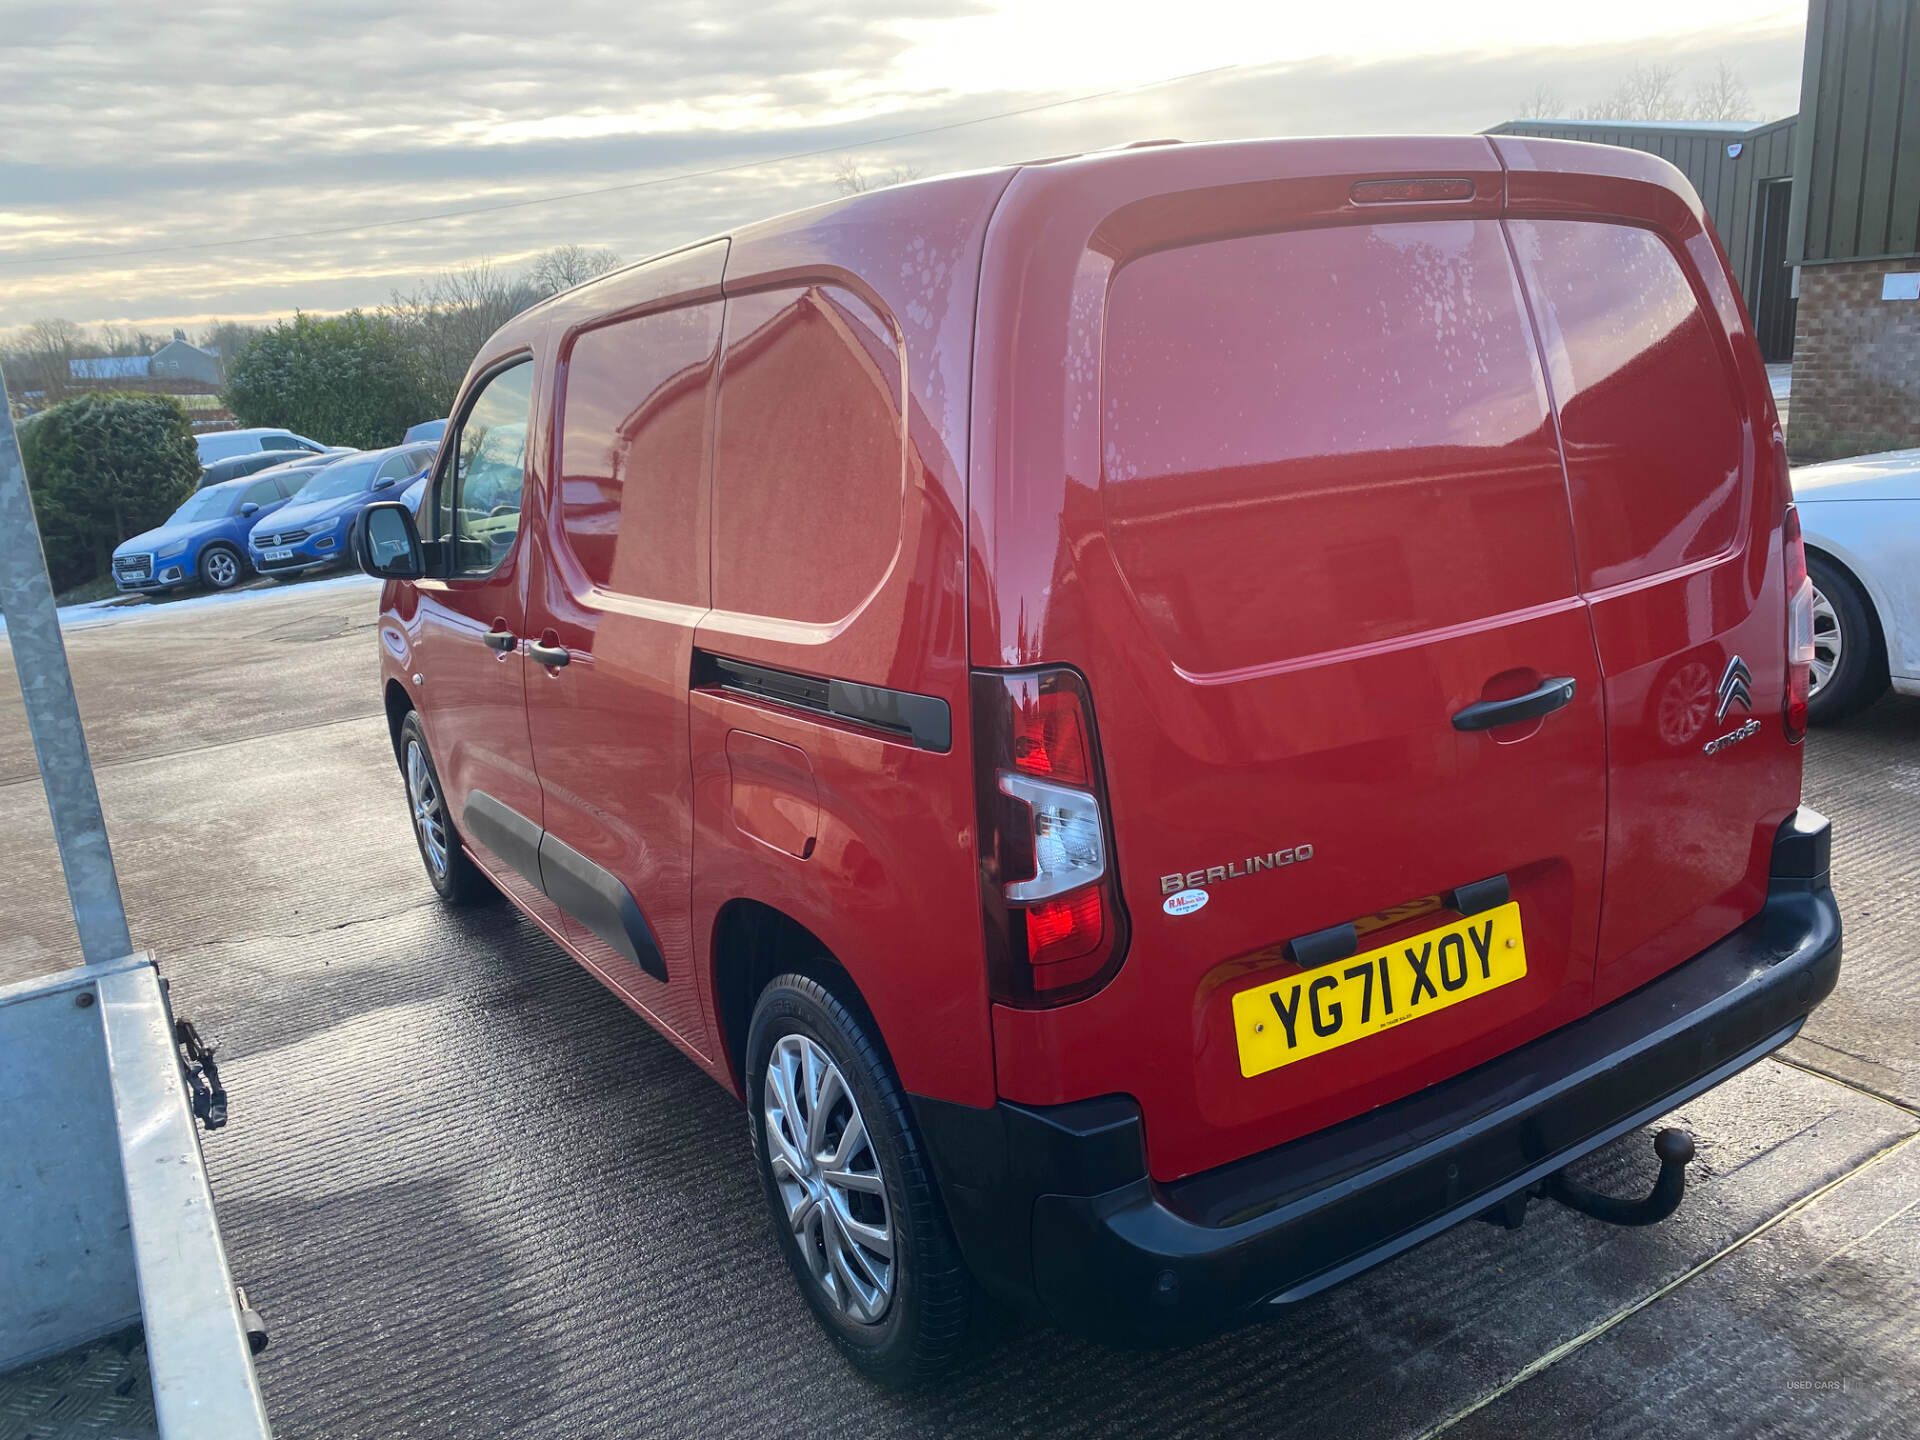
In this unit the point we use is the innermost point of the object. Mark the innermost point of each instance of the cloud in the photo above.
(144, 127)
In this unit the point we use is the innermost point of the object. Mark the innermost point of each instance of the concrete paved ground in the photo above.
(474, 1195)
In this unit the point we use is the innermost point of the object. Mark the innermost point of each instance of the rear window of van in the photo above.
(1647, 403)
(1326, 438)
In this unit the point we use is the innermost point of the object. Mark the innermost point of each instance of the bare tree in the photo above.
(1545, 103)
(117, 341)
(566, 266)
(1724, 97)
(227, 339)
(43, 354)
(850, 179)
(450, 318)
(1648, 92)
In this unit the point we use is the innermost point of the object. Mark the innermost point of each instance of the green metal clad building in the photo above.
(1820, 216)
(1744, 174)
(1855, 231)
(1859, 144)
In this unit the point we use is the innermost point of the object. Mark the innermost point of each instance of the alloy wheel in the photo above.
(1829, 640)
(429, 814)
(828, 1175)
(222, 569)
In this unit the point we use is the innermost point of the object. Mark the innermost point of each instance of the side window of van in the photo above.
(810, 462)
(1648, 413)
(633, 432)
(480, 499)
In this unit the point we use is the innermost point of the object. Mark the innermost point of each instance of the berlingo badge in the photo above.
(1234, 869)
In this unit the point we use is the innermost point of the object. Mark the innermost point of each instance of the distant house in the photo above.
(177, 360)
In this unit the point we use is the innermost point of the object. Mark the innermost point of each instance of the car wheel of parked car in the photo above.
(456, 877)
(1849, 663)
(221, 567)
(851, 1186)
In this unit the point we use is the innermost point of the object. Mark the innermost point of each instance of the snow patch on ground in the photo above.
(96, 613)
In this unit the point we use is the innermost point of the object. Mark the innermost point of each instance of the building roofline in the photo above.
(1731, 128)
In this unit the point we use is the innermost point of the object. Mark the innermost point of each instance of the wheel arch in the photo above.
(752, 943)
(217, 542)
(398, 707)
(1835, 556)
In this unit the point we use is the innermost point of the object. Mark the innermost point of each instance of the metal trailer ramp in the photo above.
(106, 1215)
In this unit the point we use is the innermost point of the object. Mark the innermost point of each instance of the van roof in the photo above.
(1575, 155)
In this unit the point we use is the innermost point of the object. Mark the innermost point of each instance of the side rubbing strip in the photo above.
(921, 719)
(598, 901)
(578, 886)
(506, 832)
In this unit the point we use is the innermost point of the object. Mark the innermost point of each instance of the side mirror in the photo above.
(386, 544)
(249, 509)
(385, 482)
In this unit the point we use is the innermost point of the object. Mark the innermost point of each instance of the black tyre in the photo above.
(456, 877)
(1849, 656)
(851, 1188)
(221, 567)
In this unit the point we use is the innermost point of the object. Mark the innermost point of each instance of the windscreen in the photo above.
(207, 505)
(346, 478)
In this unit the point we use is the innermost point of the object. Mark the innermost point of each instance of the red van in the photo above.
(1173, 722)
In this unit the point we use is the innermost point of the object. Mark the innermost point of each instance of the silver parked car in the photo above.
(1861, 520)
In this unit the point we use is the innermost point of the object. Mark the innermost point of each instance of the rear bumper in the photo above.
(1053, 1205)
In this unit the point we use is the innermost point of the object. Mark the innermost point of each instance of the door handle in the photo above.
(1549, 697)
(502, 640)
(548, 654)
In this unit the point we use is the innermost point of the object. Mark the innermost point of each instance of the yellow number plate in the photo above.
(1323, 1009)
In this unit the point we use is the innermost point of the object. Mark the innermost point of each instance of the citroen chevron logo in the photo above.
(1735, 684)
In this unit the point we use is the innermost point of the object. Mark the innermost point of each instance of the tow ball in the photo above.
(1674, 1149)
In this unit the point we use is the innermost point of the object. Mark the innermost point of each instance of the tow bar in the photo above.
(1674, 1149)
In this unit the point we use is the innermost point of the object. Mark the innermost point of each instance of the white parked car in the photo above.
(1861, 520)
(225, 444)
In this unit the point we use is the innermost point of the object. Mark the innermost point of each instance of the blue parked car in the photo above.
(312, 531)
(205, 540)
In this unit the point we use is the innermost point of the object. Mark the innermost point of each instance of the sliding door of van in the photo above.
(1676, 534)
(623, 583)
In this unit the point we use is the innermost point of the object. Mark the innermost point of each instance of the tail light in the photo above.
(1050, 903)
(1799, 627)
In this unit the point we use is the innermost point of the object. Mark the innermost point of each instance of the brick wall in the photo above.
(1856, 363)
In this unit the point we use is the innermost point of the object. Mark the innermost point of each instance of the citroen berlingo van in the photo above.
(1172, 722)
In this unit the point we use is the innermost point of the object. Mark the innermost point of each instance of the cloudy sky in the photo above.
(169, 163)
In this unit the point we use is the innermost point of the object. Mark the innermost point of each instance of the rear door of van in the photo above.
(1310, 545)
(1677, 482)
